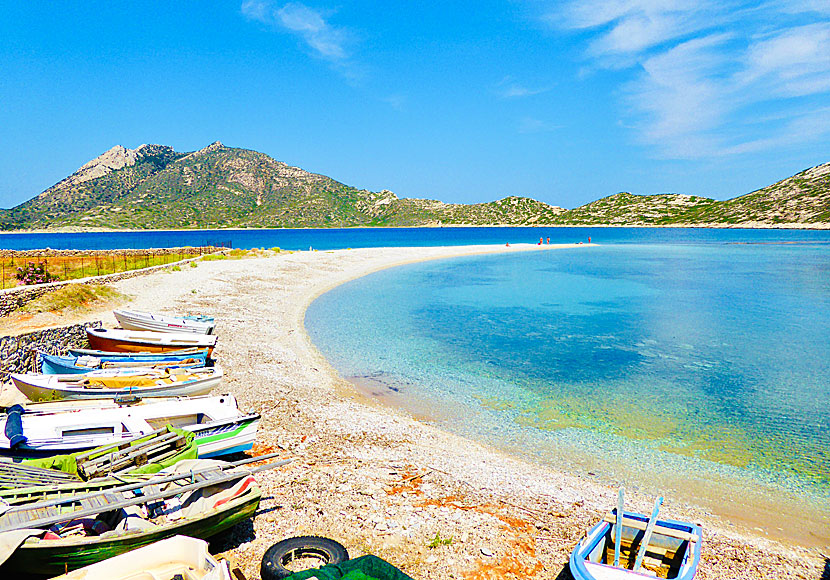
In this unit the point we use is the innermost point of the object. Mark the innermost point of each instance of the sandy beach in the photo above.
(375, 478)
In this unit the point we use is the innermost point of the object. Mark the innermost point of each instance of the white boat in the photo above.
(135, 320)
(120, 340)
(112, 383)
(58, 428)
(176, 557)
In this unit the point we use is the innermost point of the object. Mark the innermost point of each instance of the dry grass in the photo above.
(73, 297)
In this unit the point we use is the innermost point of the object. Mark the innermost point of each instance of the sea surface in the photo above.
(342, 238)
(695, 366)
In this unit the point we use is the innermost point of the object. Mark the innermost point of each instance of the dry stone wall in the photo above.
(17, 352)
(13, 298)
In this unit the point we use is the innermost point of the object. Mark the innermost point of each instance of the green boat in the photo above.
(149, 513)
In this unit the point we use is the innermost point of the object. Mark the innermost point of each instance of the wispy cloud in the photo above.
(701, 69)
(533, 125)
(325, 40)
(509, 89)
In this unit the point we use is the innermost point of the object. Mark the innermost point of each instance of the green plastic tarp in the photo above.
(363, 568)
(68, 464)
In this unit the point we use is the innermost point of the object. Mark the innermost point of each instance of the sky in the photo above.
(562, 101)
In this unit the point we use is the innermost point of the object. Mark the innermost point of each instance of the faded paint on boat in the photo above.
(134, 320)
(591, 556)
(52, 557)
(105, 384)
(144, 341)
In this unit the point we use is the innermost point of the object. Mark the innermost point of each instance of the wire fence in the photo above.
(15, 269)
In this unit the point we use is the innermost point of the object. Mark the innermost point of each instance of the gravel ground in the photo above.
(377, 480)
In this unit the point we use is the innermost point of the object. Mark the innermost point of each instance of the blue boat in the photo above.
(637, 546)
(61, 365)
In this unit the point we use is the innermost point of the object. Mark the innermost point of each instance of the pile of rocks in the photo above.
(16, 351)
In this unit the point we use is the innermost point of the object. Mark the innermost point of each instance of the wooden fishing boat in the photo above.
(176, 557)
(85, 529)
(112, 383)
(106, 353)
(627, 545)
(51, 364)
(134, 320)
(56, 428)
(119, 340)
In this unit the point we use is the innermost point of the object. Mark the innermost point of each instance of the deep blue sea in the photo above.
(342, 238)
(693, 364)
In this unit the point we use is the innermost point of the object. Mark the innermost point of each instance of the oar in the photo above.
(641, 553)
(155, 481)
(82, 513)
(618, 528)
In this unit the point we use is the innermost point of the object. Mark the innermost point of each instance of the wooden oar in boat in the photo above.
(192, 475)
(46, 521)
(652, 521)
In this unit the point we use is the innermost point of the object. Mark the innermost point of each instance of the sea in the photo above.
(693, 364)
(689, 363)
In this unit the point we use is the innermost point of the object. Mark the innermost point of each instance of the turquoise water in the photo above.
(642, 364)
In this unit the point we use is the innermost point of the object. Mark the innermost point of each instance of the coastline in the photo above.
(722, 226)
(372, 476)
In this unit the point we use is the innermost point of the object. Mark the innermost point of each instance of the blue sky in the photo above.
(565, 102)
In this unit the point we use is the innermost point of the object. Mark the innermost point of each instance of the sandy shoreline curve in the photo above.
(373, 477)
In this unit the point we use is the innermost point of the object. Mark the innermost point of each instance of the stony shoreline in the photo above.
(376, 479)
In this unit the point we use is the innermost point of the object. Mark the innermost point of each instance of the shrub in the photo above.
(34, 274)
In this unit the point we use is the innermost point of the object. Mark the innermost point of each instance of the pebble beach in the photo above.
(375, 478)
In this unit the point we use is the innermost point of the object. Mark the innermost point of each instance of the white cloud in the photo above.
(700, 70)
(325, 40)
(508, 89)
(532, 125)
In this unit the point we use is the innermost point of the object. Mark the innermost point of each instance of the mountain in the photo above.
(803, 199)
(154, 186)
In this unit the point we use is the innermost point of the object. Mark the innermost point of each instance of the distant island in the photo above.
(155, 187)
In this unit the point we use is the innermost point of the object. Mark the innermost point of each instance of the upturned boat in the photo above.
(120, 340)
(627, 545)
(135, 320)
(51, 364)
(113, 383)
(56, 428)
(176, 557)
(53, 536)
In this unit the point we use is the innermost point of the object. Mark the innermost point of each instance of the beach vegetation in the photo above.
(34, 273)
(73, 297)
(176, 268)
(193, 264)
(439, 541)
(213, 257)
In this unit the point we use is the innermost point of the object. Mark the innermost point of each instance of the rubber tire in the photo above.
(281, 553)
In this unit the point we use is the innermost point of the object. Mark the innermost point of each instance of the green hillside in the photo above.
(155, 187)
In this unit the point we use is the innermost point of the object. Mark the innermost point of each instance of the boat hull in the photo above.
(53, 390)
(143, 341)
(159, 323)
(590, 558)
(53, 557)
(60, 365)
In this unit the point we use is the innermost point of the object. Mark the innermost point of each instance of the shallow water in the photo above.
(699, 370)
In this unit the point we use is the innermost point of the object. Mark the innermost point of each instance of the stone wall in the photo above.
(16, 352)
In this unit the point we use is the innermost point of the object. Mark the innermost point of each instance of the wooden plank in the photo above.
(662, 530)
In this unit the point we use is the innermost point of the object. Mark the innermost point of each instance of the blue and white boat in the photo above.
(58, 428)
(63, 365)
(627, 546)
